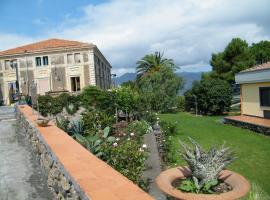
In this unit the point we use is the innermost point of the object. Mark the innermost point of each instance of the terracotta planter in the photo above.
(239, 184)
(43, 122)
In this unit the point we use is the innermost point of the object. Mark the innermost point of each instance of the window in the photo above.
(69, 58)
(38, 61)
(265, 96)
(7, 64)
(45, 60)
(77, 57)
(75, 84)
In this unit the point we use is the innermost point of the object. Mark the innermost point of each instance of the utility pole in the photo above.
(27, 72)
(196, 104)
(113, 80)
(14, 65)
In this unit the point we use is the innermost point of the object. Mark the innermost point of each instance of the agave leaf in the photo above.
(106, 132)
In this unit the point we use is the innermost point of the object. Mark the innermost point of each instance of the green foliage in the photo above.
(149, 116)
(158, 90)
(95, 98)
(138, 127)
(95, 141)
(261, 51)
(94, 119)
(153, 63)
(76, 127)
(205, 166)
(63, 123)
(257, 193)
(208, 130)
(54, 105)
(236, 57)
(180, 103)
(126, 99)
(169, 128)
(189, 185)
(128, 158)
(214, 96)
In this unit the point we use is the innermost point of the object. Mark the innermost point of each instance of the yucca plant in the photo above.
(206, 166)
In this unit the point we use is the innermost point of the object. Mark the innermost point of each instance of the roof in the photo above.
(44, 45)
(258, 67)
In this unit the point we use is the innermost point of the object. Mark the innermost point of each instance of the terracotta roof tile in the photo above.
(258, 67)
(43, 45)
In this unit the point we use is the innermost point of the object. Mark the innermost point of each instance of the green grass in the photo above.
(252, 149)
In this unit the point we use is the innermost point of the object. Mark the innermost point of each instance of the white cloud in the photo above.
(186, 30)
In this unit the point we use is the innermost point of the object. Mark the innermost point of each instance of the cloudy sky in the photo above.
(186, 30)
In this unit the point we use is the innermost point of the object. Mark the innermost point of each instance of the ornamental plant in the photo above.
(205, 166)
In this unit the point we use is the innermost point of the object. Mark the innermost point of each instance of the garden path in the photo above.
(21, 177)
(153, 166)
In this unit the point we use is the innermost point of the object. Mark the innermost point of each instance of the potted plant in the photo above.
(204, 178)
(42, 121)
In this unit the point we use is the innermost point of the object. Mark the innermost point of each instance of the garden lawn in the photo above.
(252, 149)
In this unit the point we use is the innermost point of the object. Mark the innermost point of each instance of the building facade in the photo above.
(255, 90)
(53, 65)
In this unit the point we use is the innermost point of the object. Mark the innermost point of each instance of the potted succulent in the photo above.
(204, 178)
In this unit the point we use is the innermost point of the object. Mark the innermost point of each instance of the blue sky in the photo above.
(188, 31)
(34, 17)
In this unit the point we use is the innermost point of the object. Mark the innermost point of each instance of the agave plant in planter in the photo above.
(205, 177)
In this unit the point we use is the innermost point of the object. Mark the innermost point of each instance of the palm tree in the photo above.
(152, 63)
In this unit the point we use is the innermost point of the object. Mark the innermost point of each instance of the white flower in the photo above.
(124, 134)
(132, 134)
(141, 150)
(144, 146)
(115, 144)
(147, 111)
(128, 139)
(117, 139)
(157, 118)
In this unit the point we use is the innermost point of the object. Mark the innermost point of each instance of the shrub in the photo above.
(139, 128)
(126, 99)
(95, 98)
(150, 117)
(168, 128)
(63, 123)
(95, 141)
(94, 120)
(213, 96)
(54, 105)
(128, 158)
(180, 103)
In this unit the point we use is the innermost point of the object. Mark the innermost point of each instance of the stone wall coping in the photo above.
(96, 179)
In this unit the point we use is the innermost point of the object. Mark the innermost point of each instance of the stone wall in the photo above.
(252, 127)
(62, 186)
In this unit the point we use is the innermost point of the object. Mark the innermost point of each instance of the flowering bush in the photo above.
(94, 120)
(128, 157)
(138, 127)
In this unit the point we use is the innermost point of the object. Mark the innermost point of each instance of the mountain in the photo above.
(188, 77)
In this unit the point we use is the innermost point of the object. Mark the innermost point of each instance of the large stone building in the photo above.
(53, 65)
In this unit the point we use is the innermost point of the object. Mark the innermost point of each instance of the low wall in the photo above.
(73, 172)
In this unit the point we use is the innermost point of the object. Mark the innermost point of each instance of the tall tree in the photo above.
(152, 63)
(236, 57)
(261, 51)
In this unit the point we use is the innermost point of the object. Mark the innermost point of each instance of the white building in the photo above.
(54, 65)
